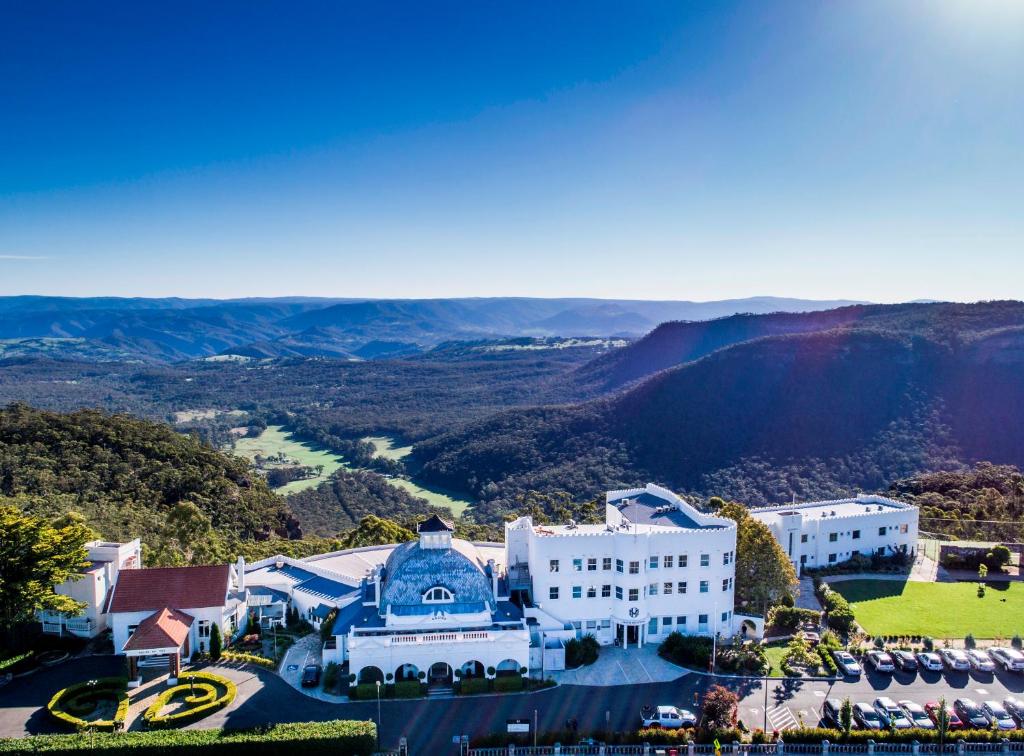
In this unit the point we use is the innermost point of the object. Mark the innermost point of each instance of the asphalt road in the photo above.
(430, 724)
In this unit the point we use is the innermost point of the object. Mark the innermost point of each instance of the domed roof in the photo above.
(412, 570)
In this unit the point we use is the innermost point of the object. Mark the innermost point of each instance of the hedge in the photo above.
(76, 699)
(202, 705)
(827, 661)
(336, 738)
(470, 685)
(365, 691)
(238, 656)
(509, 684)
(838, 610)
(817, 734)
(407, 689)
(790, 617)
(653, 736)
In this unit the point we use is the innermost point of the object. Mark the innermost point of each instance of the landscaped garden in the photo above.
(939, 610)
(196, 696)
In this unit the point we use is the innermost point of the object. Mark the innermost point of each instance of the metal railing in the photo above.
(747, 749)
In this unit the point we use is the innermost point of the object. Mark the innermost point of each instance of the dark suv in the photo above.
(311, 676)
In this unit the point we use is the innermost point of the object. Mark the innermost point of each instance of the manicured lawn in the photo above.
(775, 652)
(275, 440)
(941, 610)
(385, 447)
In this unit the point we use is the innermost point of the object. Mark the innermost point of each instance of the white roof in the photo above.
(852, 507)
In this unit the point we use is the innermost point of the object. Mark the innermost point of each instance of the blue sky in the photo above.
(679, 150)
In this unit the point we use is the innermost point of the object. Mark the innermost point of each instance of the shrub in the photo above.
(928, 643)
(827, 661)
(238, 656)
(408, 689)
(327, 626)
(82, 698)
(684, 650)
(1017, 643)
(508, 684)
(364, 692)
(816, 734)
(471, 685)
(720, 708)
(969, 641)
(337, 738)
(216, 646)
(579, 652)
(839, 614)
(331, 673)
(790, 618)
(221, 693)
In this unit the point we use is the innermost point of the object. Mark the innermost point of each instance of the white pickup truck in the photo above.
(668, 717)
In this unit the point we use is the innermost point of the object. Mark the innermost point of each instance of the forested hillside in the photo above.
(919, 388)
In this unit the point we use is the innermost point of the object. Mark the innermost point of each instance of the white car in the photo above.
(917, 715)
(1009, 659)
(668, 717)
(881, 661)
(955, 659)
(930, 660)
(892, 715)
(1000, 716)
(980, 660)
(846, 662)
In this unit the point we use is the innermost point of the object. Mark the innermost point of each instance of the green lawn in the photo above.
(775, 652)
(940, 610)
(385, 447)
(274, 440)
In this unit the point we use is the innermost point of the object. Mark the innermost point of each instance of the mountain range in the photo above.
(175, 329)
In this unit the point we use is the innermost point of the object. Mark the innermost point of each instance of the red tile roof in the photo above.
(168, 628)
(175, 587)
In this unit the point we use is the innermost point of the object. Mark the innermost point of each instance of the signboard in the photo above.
(518, 725)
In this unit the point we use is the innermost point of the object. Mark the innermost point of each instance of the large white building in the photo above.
(820, 533)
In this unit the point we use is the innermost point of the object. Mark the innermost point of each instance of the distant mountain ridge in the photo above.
(174, 329)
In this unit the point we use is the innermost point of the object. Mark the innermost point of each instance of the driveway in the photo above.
(264, 698)
(618, 666)
(307, 650)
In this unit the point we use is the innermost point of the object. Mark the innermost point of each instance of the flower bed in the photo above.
(202, 692)
(70, 705)
(259, 661)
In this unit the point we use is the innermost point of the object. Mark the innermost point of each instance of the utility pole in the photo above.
(765, 727)
(534, 728)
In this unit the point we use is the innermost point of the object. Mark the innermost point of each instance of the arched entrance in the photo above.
(472, 668)
(507, 668)
(407, 672)
(748, 629)
(370, 675)
(440, 674)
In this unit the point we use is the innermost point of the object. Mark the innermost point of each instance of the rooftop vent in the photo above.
(571, 525)
(833, 513)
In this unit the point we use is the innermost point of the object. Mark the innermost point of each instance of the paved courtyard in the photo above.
(618, 666)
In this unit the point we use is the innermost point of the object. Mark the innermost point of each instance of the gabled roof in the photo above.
(173, 587)
(167, 628)
(435, 524)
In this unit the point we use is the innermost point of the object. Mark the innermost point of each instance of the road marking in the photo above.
(819, 693)
(781, 718)
(981, 691)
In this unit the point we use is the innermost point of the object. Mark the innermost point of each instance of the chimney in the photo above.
(240, 573)
(376, 586)
(493, 570)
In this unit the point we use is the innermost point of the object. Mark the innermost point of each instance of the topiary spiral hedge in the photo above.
(209, 693)
(70, 705)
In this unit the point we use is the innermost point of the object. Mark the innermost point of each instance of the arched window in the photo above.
(438, 595)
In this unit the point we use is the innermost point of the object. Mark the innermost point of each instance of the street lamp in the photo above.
(378, 713)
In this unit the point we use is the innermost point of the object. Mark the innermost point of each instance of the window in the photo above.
(592, 564)
(803, 538)
(577, 591)
(666, 561)
(577, 565)
(681, 621)
(606, 563)
(618, 592)
(437, 595)
(652, 563)
(881, 530)
(667, 588)
(702, 619)
(133, 628)
(803, 559)
(903, 528)
(618, 565)
(705, 560)
(725, 585)
(554, 565)
(681, 587)
(652, 626)
(704, 587)
(880, 550)
(204, 628)
(591, 624)
(725, 557)
(682, 560)
(634, 568)
(856, 534)
(833, 537)
(592, 591)
(606, 624)
(666, 621)
(553, 592)
(652, 589)
(634, 594)
(832, 557)
(606, 591)
(725, 617)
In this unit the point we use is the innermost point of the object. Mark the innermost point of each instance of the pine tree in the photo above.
(215, 643)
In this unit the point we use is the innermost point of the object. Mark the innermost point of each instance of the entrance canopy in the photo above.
(163, 632)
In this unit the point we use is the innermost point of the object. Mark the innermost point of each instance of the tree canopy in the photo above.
(764, 573)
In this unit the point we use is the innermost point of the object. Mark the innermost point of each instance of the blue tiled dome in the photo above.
(412, 570)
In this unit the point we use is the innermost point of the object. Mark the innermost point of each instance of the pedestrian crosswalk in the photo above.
(781, 718)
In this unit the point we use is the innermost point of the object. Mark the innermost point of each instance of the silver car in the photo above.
(980, 660)
(846, 662)
(930, 660)
(892, 715)
(1009, 659)
(1000, 716)
(917, 715)
(955, 659)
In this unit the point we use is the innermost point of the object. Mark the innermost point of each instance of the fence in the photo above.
(745, 749)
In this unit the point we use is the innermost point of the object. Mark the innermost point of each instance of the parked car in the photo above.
(831, 712)
(811, 637)
(930, 660)
(865, 716)
(881, 661)
(668, 717)
(971, 714)
(892, 715)
(955, 659)
(1016, 708)
(846, 662)
(953, 721)
(904, 660)
(1009, 659)
(998, 715)
(311, 675)
(917, 715)
(980, 660)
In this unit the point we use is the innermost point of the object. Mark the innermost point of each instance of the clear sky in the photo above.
(870, 149)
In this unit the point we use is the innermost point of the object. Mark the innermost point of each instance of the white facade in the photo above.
(228, 618)
(655, 566)
(106, 560)
(821, 533)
